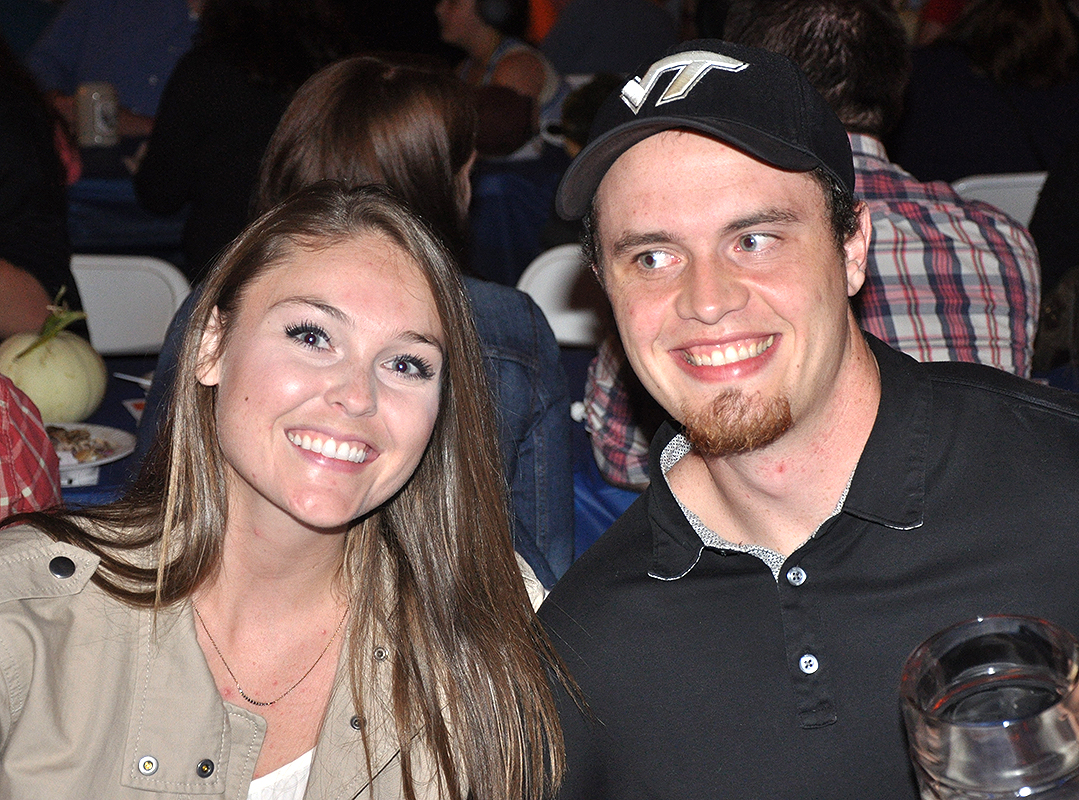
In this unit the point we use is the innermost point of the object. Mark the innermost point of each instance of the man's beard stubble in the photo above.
(736, 423)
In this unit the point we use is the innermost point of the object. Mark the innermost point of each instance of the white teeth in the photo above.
(330, 448)
(730, 355)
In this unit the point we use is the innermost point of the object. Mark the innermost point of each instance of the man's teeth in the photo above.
(330, 448)
(729, 354)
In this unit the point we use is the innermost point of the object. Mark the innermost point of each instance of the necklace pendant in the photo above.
(252, 700)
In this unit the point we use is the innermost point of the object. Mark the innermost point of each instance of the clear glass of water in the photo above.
(991, 707)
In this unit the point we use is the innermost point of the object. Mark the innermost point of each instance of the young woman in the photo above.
(311, 586)
(364, 120)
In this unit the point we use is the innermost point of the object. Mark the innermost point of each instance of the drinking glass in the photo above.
(991, 707)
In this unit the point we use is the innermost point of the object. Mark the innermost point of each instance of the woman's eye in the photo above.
(309, 335)
(412, 367)
(754, 242)
(655, 259)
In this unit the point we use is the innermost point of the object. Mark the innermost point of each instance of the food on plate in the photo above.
(78, 444)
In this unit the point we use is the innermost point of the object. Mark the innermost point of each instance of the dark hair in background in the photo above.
(366, 120)
(17, 85)
(1028, 42)
(710, 18)
(279, 43)
(506, 16)
(854, 52)
(470, 658)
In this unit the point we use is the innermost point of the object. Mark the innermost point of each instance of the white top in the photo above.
(284, 783)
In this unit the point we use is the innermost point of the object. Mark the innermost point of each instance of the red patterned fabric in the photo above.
(29, 467)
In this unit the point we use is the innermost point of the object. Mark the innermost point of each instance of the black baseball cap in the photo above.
(751, 99)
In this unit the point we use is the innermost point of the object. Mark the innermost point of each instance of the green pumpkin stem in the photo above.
(60, 317)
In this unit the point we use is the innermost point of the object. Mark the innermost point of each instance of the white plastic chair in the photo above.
(568, 295)
(1015, 194)
(129, 300)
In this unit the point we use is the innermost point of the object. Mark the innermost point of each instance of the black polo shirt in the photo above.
(706, 677)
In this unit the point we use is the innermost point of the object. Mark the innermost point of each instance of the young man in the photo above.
(947, 279)
(824, 504)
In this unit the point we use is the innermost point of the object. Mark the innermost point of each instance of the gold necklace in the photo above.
(232, 674)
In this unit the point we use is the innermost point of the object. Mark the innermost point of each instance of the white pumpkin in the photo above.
(64, 376)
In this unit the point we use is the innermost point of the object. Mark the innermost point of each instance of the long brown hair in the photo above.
(432, 570)
(366, 120)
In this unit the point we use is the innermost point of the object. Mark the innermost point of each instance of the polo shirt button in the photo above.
(205, 768)
(808, 664)
(147, 765)
(796, 576)
(62, 567)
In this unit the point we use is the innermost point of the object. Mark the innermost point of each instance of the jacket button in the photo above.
(355, 723)
(205, 768)
(147, 765)
(62, 567)
(381, 654)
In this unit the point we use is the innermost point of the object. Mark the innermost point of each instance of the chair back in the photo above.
(129, 300)
(564, 289)
(1015, 193)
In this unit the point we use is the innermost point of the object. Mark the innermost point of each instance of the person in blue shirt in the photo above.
(132, 44)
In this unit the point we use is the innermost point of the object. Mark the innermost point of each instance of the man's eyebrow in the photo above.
(632, 241)
(767, 216)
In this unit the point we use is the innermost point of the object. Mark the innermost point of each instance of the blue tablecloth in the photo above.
(112, 412)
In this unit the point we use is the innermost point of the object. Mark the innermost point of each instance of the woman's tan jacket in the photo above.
(95, 704)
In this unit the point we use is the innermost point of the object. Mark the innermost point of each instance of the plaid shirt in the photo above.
(29, 467)
(948, 280)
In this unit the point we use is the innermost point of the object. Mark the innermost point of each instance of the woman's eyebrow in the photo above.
(420, 338)
(320, 305)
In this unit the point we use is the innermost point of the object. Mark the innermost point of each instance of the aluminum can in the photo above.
(97, 114)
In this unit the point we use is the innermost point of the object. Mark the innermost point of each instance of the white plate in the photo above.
(120, 442)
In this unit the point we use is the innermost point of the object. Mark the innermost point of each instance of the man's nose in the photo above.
(710, 289)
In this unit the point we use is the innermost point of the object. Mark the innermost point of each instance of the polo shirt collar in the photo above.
(888, 487)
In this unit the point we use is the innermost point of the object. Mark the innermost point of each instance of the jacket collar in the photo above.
(888, 486)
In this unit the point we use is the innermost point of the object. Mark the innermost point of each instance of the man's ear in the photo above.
(208, 370)
(856, 251)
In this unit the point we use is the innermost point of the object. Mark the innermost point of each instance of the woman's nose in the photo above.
(354, 390)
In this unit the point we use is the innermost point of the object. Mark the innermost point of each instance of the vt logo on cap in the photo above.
(691, 66)
(751, 99)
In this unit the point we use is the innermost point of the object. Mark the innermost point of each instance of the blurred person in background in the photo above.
(999, 93)
(221, 106)
(132, 44)
(593, 36)
(35, 250)
(490, 32)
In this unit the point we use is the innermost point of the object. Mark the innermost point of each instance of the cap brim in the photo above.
(585, 173)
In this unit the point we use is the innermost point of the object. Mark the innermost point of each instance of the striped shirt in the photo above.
(948, 279)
